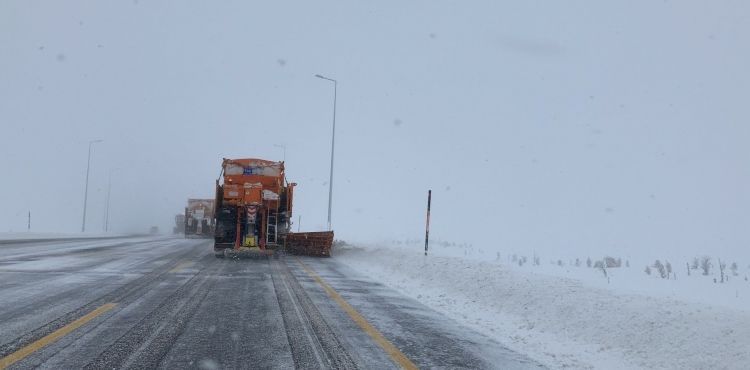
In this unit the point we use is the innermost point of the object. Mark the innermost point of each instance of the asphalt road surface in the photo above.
(169, 303)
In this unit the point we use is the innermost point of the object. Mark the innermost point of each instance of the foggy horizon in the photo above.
(608, 128)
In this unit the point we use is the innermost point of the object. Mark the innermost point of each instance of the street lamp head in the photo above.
(96, 141)
(325, 78)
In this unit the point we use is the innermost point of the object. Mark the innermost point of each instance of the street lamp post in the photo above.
(282, 146)
(86, 191)
(333, 141)
(106, 208)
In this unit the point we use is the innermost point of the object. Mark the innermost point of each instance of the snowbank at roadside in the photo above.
(574, 321)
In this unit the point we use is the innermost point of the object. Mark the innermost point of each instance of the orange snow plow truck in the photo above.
(253, 212)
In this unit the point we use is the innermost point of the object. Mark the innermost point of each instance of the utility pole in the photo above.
(427, 227)
(282, 146)
(28, 228)
(106, 207)
(86, 191)
(333, 141)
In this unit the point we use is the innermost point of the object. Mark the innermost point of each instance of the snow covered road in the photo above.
(169, 303)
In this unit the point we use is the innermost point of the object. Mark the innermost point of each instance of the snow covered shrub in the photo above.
(660, 269)
(668, 266)
(695, 264)
(734, 268)
(722, 267)
(705, 264)
(588, 262)
(612, 262)
(559, 262)
(578, 262)
(648, 270)
(599, 264)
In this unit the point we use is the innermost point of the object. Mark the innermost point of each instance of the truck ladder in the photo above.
(271, 228)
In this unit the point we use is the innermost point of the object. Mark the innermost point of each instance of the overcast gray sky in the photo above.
(539, 125)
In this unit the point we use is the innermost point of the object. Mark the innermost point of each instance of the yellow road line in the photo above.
(181, 266)
(52, 337)
(396, 355)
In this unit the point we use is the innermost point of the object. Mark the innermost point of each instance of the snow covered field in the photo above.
(568, 316)
(40, 235)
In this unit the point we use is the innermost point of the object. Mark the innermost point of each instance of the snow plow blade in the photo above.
(310, 244)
